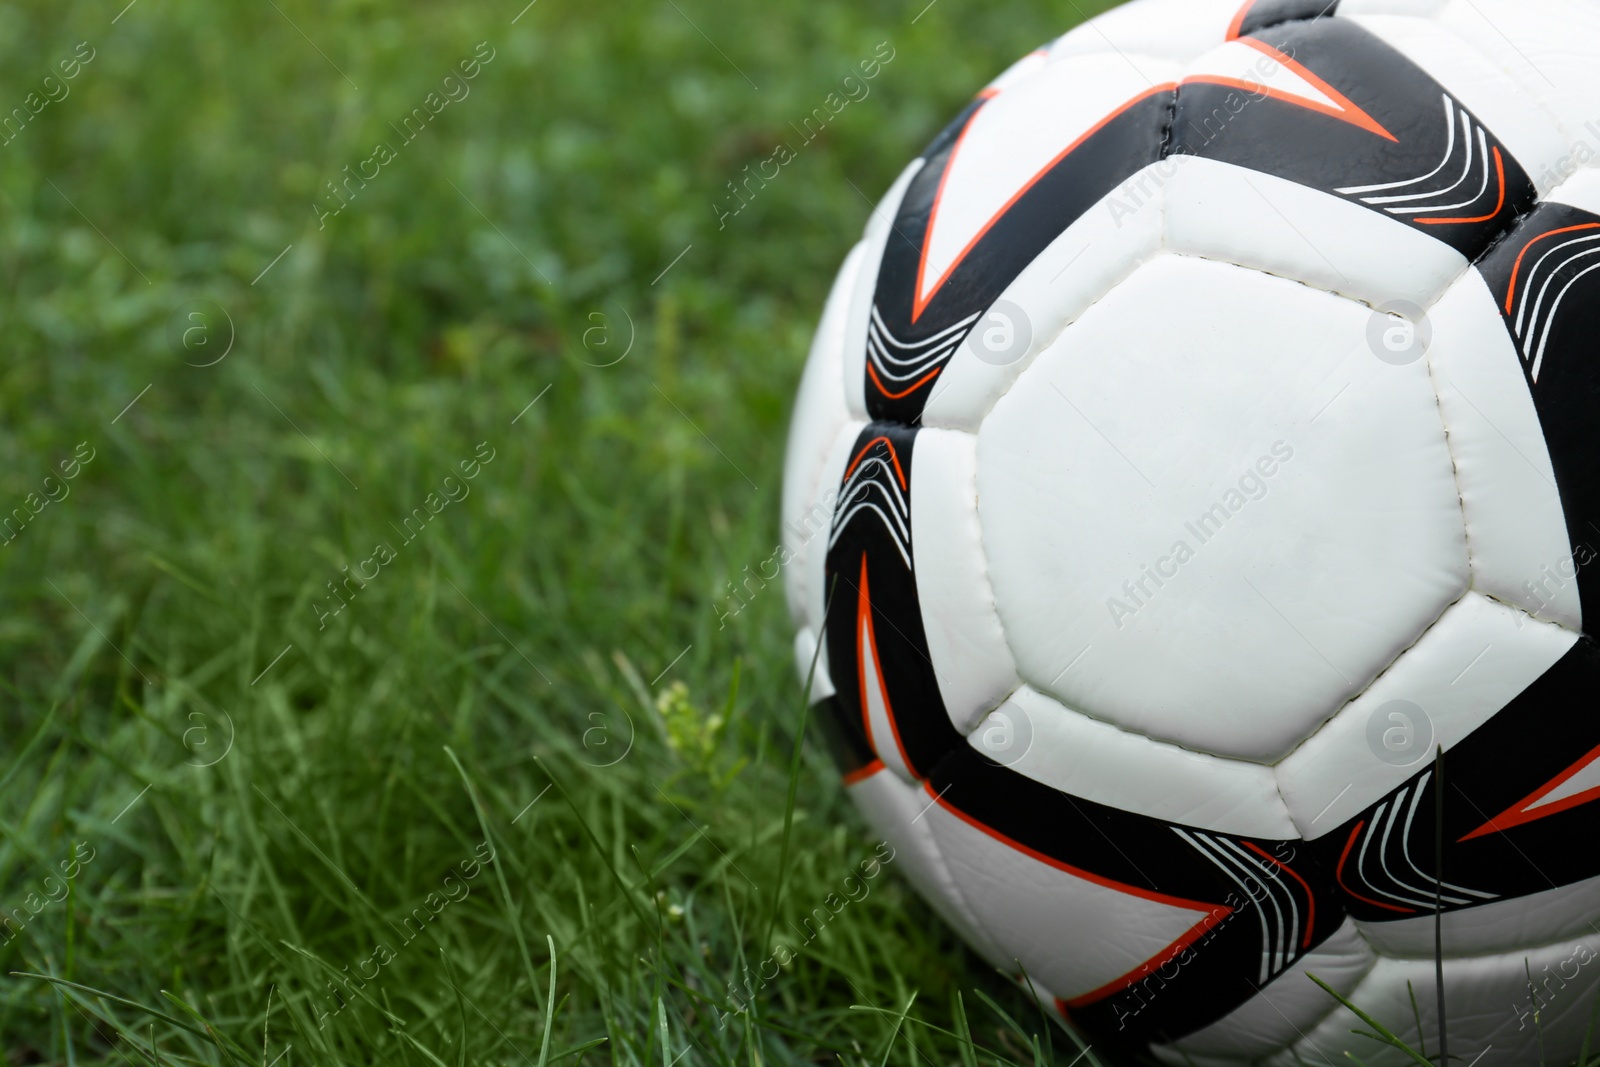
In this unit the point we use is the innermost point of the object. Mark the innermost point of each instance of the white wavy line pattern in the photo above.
(1381, 830)
(1533, 323)
(1282, 933)
(1424, 193)
(1416, 798)
(899, 362)
(873, 487)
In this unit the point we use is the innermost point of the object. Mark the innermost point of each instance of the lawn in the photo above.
(392, 392)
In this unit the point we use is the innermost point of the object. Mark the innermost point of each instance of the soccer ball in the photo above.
(1192, 508)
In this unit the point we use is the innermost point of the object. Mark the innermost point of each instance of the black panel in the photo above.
(1378, 866)
(939, 147)
(1265, 14)
(1472, 196)
(1224, 965)
(1109, 157)
(870, 568)
(1550, 728)
(843, 736)
(1543, 279)
(1450, 177)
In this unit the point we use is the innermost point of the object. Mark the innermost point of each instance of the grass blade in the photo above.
(794, 768)
(549, 1006)
(1383, 1033)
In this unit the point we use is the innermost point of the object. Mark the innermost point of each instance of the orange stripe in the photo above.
(1214, 913)
(1311, 908)
(1355, 117)
(892, 455)
(1516, 269)
(1100, 880)
(1345, 108)
(861, 774)
(1338, 876)
(1167, 955)
(1237, 25)
(1518, 813)
(883, 687)
(918, 304)
(867, 633)
(864, 634)
(918, 384)
(1500, 169)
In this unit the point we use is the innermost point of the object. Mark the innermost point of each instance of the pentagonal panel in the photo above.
(1271, 498)
(965, 641)
(1212, 514)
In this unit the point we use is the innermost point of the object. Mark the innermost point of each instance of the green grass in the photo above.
(251, 792)
(254, 794)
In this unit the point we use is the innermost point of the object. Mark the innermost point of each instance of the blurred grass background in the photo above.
(218, 796)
